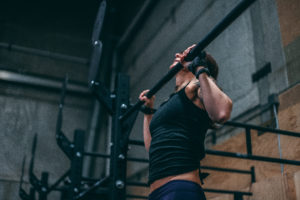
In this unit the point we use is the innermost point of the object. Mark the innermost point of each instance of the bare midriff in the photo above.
(192, 176)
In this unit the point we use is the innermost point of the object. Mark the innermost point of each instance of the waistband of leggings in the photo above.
(175, 185)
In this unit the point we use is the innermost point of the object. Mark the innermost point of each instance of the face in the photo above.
(178, 57)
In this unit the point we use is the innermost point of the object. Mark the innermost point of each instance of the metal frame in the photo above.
(41, 82)
(249, 155)
(44, 53)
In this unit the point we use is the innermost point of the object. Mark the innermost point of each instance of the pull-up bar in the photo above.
(219, 28)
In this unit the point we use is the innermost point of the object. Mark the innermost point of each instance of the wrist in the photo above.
(198, 68)
(147, 110)
(202, 70)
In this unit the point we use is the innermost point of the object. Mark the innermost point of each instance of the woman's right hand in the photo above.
(148, 102)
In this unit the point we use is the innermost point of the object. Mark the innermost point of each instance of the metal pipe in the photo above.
(253, 179)
(38, 52)
(92, 188)
(205, 190)
(264, 129)
(92, 135)
(53, 187)
(251, 157)
(226, 170)
(46, 83)
(130, 196)
(219, 28)
(248, 141)
(227, 192)
(115, 58)
(263, 108)
(278, 136)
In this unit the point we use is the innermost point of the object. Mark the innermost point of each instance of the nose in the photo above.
(177, 55)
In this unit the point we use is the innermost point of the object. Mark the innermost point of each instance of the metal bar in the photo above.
(264, 108)
(53, 187)
(237, 196)
(99, 21)
(264, 129)
(227, 192)
(76, 164)
(95, 62)
(136, 142)
(108, 156)
(44, 53)
(251, 157)
(41, 82)
(118, 154)
(92, 188)
(219, 28)
(248, 141)
(96, 154)
(44, 186)
(253, 179)
(136, 196)
(226, 169)
(171, 73)
(278, 136)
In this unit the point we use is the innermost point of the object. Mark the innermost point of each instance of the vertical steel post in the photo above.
(238, 196)
(253, 179)
(118, 152)
(32, 193)
(76, 164)
(248, 141)
(44, 186)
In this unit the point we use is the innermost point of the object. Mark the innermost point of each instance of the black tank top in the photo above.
(178, 131)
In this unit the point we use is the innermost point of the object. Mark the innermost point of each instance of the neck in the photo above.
(182, 80)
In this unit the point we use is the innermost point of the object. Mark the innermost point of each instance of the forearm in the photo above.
(217, 104)
(146, 131)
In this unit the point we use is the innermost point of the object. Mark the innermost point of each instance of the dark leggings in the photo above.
(178, 190)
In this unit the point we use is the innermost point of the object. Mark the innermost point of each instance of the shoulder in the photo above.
(191, 89)
(193, 93)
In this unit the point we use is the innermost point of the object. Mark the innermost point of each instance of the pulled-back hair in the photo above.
(212, 66)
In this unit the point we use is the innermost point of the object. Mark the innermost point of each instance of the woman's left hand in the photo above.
(179, 57)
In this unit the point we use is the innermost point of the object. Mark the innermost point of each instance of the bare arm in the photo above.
(217, 104)
(146, 131)
(147, 118)
(207, 94)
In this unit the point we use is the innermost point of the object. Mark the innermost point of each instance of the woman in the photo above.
(174, 135)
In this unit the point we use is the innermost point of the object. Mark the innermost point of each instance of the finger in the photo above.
(142, 93)
(177, 59)
(145, 92)
(190, 48)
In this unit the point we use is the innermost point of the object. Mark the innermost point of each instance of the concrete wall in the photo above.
(28, 110)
